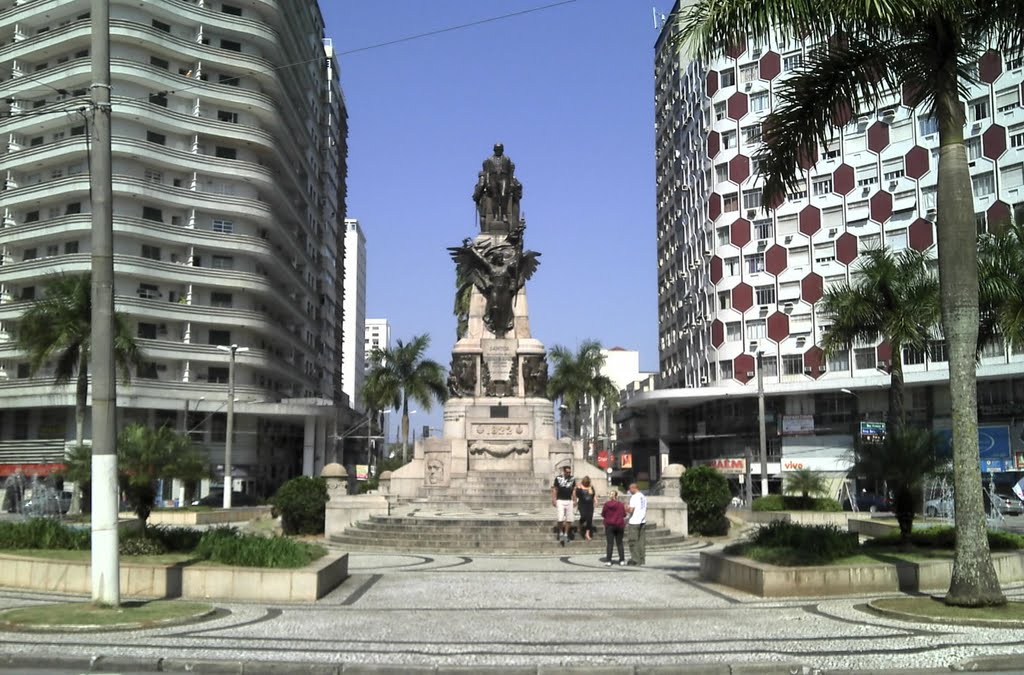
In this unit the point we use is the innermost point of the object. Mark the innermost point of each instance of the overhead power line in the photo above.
(454, 28)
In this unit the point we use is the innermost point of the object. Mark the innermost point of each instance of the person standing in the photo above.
(563, 498)
(637, 511)
(613, 513)
(585, 495)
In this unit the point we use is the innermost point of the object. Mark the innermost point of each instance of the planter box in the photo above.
(837, 518)
(213, 517)
(770, 581)
(873, 528)
(303, 584)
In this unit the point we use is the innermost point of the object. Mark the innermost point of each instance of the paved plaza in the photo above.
(545, 614)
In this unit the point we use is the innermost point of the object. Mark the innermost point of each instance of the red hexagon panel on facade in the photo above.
(737, 106)
(842, 179)
(740, 232)
(717, 333)
(810, 220)
(805, 160)
(775, 259)
(842, 114)
(998, 216)
(716, 269)
(990, 66)
(714, 206)
(846, 248)
(742, 297)
(884, 354)
(814, 362)
(741, 365)
(737, 49)
(878, 136)
(778, 326)
(811, 287)
(881, 206)
(774, 201)
(713, 144)
(712, 82)
(916, 162)
(921, 234)
(993, 141)
(770, 66)
(739, 168)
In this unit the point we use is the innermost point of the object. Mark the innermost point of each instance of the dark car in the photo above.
(216, 498)
(870, 502)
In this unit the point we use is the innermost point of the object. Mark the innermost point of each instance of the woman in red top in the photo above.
(614, 515)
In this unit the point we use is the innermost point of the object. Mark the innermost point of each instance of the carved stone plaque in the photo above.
(500, 430)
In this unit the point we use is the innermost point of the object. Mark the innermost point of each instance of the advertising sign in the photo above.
(993, 443)
(797, 424)
(626, 460)
(362, 471)
(604, 459)
(725, 464)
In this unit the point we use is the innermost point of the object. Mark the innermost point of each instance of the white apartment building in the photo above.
(354, 362)
(229, 162)
(736, 278)
(378, 336)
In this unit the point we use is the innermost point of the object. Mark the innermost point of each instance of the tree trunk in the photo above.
(974, 582)
(897, 410)
(405, 430)
(81, 404)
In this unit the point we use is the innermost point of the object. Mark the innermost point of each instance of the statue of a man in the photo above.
(497, 192)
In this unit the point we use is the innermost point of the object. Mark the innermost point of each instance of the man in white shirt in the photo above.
(635, 521)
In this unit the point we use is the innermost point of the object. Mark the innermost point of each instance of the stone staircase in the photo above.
(500, 490)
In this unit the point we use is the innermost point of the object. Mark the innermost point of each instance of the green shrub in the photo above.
(229, 547)
(139, 545)
(945, 537)
(43, 533)
(301, 503)
(175, 539)
(783, 543)
(706, 493)
(786, 503)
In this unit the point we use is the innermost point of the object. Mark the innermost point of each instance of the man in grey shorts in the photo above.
(563, 498)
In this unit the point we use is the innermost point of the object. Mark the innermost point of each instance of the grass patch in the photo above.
(936, 610)
(84, 556)
(83, 615)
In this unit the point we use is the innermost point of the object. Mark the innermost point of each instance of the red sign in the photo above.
(726, 464)
(31, 469)
(604, 459)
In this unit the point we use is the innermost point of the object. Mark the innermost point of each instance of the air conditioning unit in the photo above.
(162, 329)
(883, 364)
(751, 213)
(748, 86)
(750, 373)
(703, 380)
(788, 239)
(762, 244)
(821, 369)
(788, 308)
(833, 231)
(807, 369)
(893, 184)
(865, 192)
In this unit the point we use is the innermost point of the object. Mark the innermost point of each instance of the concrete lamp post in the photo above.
(232, 350)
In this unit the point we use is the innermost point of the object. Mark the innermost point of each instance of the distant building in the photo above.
(378, 336)
(354, 362)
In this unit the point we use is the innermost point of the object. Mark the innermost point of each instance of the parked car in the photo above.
(216, 498)
(1007, 502)
(869, 501)
(48, 503)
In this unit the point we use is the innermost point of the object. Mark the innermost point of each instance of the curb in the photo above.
(88, 628)
(924, 618)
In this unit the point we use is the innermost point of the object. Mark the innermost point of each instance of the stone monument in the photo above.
(498, 418)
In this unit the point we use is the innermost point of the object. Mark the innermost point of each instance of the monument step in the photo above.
(596, 546)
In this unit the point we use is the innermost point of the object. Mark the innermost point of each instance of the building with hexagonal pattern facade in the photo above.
(738, 276)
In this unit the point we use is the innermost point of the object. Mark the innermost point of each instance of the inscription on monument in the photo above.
(495, 430)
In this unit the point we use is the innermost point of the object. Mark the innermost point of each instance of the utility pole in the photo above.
(228, 482)
(761, 430)
(106, 583)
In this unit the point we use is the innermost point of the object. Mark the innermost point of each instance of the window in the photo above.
(764, 229)
(821, 186)
(160, 25)
(730, 202)
(217, 375)
(31, 217)
(764, 295)
(752, 134)
(38, 140)
(839, 361)
(727, 78)
(725, 300)
(24, 371)
(792, 62)
(892, 169)
(728, 140)
(227, 116)
(979, 109)
(792, 364)
(159, 63)
(220, 337)
(770, 366)
(218, 299)
(148, 370)
(149, 291)
(896, 240)
(150, 213)
(225, 153)
(973, 146)
(231, 45)
(937, 351)
(147, 331)
(56, 173)
(73, 208)
(733, 332)
(223, 262)
(731, 266)
(230, 80)
(748, 73)
(1012, 176)
(231, 9)
(756, 329)
(721, 173)
(927, 125)
(824, 253)
(864, 358)
(867, 175)
(30, 254)
(723, 235)
(151, 252)
(799, 256)
(70, 248)
(1014, 60)
(912, 357)
(1016, 138)
(1007, 100)
(78, 131)
(981, 222)
(154, 137)
(755, 262)
(759, 102)
(223, 226)
(719, 111)
(726, 370)
(983, 184)
(158, 99)
(752, 198)
(153, 176)
(796, 195)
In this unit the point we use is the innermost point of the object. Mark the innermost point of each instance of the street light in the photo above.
(762, 434)
(228, 483)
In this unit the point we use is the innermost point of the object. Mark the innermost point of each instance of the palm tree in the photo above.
(902, 460)
(892, 295)
(402, 374)
(806, 483)
(576, 380)
(1001, 275)
(57, 326)
(866, 51)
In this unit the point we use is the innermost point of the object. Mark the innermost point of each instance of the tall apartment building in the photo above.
(354, 365)
(736, 278)
(229, 162)
(378, 336)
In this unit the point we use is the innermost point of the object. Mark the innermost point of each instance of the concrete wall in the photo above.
(74, 577)
(343, 511)
(216, 517)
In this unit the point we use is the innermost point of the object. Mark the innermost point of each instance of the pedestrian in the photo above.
(613, 513)
(637, 511)
(585, 497)
(563, 498)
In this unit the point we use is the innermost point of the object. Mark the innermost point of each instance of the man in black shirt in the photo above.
(563, 498)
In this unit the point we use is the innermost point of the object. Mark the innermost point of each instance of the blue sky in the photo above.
(569, 92)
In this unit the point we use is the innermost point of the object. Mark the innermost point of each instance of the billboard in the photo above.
(993, 444)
